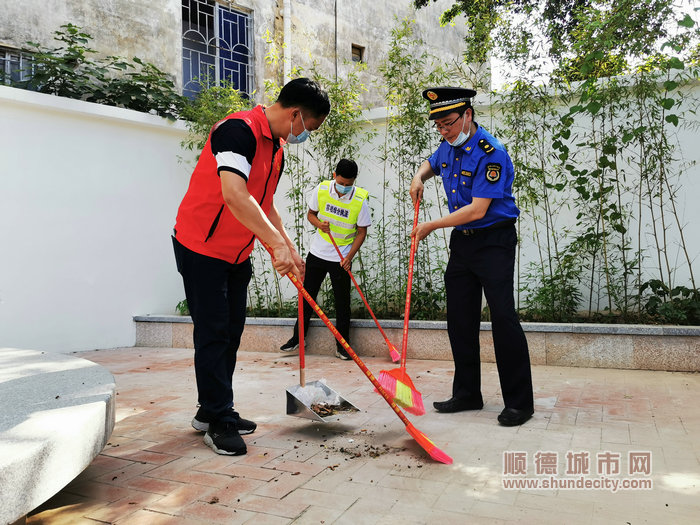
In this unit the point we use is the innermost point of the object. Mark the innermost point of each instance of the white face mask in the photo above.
(461, 138)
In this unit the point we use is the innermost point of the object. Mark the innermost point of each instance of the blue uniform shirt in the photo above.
(480, 167)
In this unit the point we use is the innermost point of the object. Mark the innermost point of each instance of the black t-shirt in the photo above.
(233, 145)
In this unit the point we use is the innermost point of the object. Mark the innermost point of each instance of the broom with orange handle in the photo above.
(421, 439)
(393, 352)
(397, 381)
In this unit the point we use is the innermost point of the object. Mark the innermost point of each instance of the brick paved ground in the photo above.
(365, 468)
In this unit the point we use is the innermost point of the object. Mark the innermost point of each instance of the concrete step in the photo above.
(634, 347)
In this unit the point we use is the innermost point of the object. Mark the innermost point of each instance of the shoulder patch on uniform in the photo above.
(484, 144)
(493, 172)
(466, 173)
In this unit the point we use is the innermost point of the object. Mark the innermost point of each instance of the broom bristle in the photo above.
(403, 396)
(416, 407)
(428, 446)
(388, 382)
(397, 383)
(394, 353)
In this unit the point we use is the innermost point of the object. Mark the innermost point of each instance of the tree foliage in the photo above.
(584, 38)
(211, 104)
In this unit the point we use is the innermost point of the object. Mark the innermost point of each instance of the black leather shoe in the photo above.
(458, 405)
(512, 417)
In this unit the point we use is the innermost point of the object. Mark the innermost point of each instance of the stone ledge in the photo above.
(644, 347)
(57, 415)
(582, 328)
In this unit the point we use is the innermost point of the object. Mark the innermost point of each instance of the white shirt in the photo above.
(323, 249)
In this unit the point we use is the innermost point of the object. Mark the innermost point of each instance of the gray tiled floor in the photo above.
(365, 468)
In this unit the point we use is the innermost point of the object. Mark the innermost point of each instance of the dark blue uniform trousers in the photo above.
(216, 293)
(485, 261)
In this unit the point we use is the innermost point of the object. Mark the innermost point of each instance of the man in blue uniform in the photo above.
(477, 175)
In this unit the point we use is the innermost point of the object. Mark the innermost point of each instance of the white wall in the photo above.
(88, 197)
(685, 174)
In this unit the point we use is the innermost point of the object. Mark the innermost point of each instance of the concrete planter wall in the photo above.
(640, 347)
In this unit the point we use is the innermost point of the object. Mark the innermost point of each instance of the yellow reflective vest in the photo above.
(341, 215)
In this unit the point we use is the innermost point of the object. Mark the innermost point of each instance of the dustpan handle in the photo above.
(302, 364)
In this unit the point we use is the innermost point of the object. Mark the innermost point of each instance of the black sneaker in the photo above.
(340, 353)
(290, 345)
(244, 426)
(223, 438)
(202, 419)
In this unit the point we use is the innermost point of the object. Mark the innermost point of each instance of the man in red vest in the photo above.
(228, 203)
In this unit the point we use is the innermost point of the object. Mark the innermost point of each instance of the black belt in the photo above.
(495, 226)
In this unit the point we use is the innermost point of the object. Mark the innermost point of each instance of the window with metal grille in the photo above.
(15, 66)
(217, 45)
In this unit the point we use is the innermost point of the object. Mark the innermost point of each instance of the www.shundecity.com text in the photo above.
(580, 483)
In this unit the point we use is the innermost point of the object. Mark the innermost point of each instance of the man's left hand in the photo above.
(422, 230)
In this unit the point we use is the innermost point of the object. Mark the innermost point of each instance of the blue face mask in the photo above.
(342, 190)
(301, 137)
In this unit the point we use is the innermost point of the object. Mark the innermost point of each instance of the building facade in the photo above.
(221, 39)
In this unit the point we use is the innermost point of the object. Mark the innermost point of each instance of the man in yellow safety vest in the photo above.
(337, 208)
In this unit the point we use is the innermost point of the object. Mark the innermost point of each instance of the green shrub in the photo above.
(679, 305)
(212, 103)
(68, 71)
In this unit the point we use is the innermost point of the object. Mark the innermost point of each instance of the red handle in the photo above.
(407, 310)
(357, 286)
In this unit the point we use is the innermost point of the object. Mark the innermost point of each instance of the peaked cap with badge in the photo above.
(445, 100)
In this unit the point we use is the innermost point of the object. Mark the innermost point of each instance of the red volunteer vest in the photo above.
(204, 224)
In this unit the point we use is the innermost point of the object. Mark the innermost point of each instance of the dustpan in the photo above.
(317, 401)
(314, 400)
